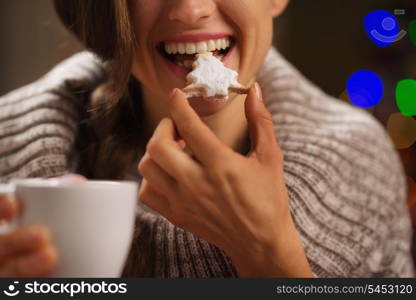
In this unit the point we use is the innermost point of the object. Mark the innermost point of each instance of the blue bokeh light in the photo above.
(365, 89)
(382, 27)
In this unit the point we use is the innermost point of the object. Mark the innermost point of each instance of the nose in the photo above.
(191, 11)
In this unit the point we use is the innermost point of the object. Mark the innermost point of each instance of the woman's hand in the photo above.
(26, 251)
(239, 203)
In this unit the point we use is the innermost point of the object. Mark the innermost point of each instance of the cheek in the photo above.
(254, 24)
(145, 14)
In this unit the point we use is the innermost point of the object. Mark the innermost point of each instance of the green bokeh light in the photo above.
(406, 97)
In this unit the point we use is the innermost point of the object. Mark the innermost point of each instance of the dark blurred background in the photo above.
(325, 39)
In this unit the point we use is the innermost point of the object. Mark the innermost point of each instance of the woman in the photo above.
(307, 187)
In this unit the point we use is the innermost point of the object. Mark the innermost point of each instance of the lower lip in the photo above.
(183, 72)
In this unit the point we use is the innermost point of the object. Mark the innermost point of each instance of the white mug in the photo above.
(91, 222)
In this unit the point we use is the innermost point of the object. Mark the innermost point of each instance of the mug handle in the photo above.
(8, 189)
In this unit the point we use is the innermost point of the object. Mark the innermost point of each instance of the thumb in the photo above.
(260, 126)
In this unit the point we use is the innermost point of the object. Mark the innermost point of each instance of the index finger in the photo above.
(23, 240)
(168, 154)
(197, 135)
(8, 207)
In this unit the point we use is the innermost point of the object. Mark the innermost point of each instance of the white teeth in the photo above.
(190, 48)
(174, 48)
(219, 44)
(185, 64)
(225, 43)
(168, 48)
(201, 47)
(211, 45)
(193, 48)
(181, 48)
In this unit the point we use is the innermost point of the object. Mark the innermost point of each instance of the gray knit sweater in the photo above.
(345, 182)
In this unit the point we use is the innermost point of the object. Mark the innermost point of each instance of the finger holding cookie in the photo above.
(225, 198)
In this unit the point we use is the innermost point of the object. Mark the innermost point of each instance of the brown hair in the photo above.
(104, 27)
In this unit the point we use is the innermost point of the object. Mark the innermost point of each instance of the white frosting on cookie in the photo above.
(210, 78)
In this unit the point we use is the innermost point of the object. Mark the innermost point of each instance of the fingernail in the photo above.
(181, 143)
(142, 159)
(172, 93)
(71, 178)
(258, 91)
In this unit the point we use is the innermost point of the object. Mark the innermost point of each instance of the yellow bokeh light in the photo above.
(402, 130)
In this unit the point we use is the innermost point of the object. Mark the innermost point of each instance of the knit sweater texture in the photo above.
(345, 181)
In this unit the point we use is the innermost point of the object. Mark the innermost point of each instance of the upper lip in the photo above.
(195, 37)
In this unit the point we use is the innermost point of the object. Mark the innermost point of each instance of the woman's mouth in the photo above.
(181, 55)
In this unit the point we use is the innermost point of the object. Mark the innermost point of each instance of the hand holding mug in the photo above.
(86, 231)
(27, 251)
